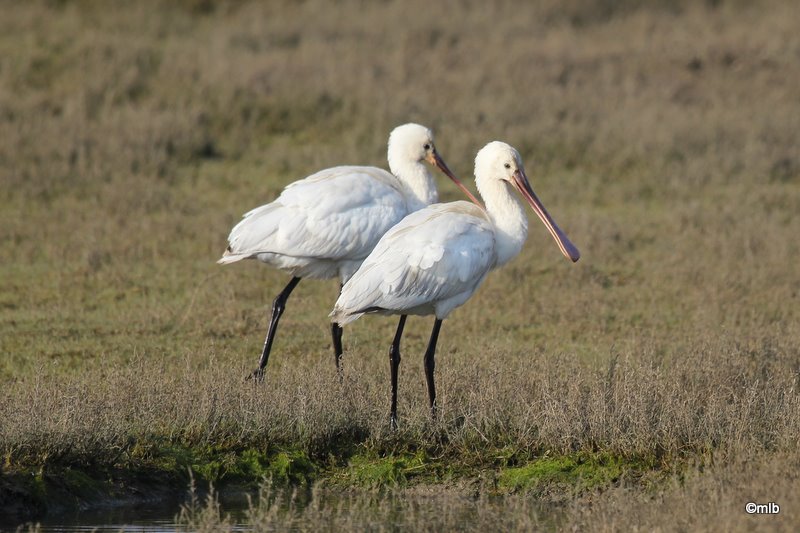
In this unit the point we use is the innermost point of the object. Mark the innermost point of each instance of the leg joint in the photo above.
(394, 353)
(278, 304)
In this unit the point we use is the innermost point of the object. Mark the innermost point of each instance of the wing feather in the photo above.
(434, 254)
(337, 213)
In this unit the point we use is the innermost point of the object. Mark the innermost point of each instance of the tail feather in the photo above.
(344, 317)
(230, 257)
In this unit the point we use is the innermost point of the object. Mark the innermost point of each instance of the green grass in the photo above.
(582, 473)
(382, 471)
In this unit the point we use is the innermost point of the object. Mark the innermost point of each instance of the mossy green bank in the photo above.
(151, 471)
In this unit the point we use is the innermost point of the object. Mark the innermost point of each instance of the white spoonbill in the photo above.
(434, 259)
(324, 226)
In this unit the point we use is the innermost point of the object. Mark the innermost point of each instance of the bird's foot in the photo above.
(393, 423)
(256, 375)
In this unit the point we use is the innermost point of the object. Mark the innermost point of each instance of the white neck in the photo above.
(508, 217)
(418, 183)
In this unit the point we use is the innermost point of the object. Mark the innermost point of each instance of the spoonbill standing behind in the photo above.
(434, 259)
(324, 226)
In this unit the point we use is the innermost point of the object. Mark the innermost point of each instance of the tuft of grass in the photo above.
(292, 467)
(391, 470)
(582, 472)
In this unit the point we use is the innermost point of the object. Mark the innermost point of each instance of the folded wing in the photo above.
(434, 255)
(313, 219)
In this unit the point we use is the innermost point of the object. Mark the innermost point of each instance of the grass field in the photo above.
(654, 384)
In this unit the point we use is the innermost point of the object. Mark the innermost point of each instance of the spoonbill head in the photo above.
(410, 142)
(410, 145)
(498, 170)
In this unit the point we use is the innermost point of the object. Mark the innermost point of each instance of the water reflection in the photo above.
(161, 517)
(427, 508)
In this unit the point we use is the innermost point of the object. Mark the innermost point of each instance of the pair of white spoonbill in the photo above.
(395, 249)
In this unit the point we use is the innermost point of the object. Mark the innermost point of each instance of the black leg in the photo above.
(430, 364)
(278, 305)
(336, 335)
(394, 358)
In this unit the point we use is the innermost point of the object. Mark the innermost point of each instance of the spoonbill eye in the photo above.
(427, 146)
(507, 165)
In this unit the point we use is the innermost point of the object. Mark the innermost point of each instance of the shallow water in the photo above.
(150, 518)
(359, 509)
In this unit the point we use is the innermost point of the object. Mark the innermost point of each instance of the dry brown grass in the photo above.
(722, 400)
(713, 500)
(662, 136)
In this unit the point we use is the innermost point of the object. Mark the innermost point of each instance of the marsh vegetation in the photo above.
(652, 384)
